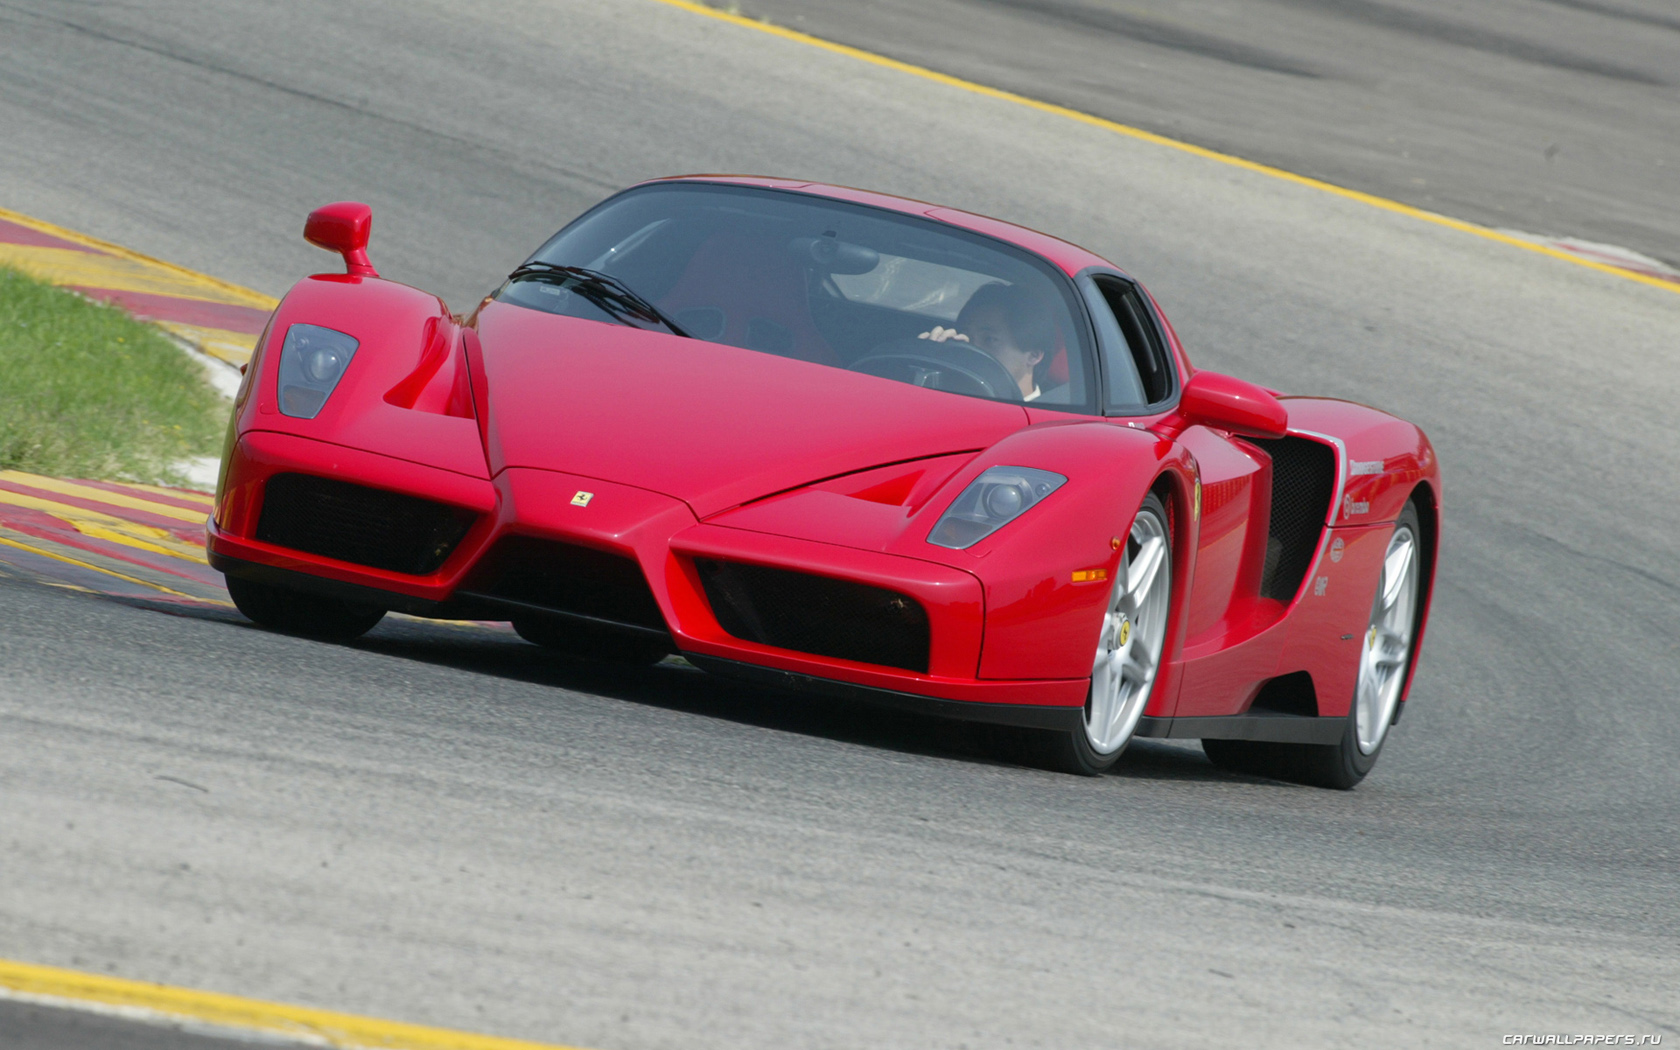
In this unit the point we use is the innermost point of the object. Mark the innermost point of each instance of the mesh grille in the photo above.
(353, 523)
(1303, 479)
(817, 614)
(568, 578)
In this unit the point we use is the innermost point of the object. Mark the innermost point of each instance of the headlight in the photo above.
(312, 361)
(991, 501)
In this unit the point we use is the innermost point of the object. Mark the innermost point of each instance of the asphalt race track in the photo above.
(1550, 116)
(443, 825)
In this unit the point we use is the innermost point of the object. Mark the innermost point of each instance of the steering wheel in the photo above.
(952, 366)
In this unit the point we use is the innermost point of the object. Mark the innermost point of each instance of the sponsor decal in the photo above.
(1320, 585)
(1359, 468)
(582, 498)
(1350, 507)
(1337, 547)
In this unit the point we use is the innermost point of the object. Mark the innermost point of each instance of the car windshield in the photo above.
(895, 296)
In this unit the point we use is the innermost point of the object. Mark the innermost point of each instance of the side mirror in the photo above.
(1227, 403)
(344, 228)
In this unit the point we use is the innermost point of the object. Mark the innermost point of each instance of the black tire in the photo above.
(587, 642)
(1063, 751)
(306, 615)
(1341, 765)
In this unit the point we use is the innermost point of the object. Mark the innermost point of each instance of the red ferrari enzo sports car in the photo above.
(832, 440)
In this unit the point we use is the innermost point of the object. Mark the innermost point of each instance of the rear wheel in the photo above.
(1129, 648)
(1384, 662)
(308, 615)
(582, 640)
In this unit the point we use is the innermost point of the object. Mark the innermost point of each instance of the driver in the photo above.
(1012, 327)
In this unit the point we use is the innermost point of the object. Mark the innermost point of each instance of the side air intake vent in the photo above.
(567, 578)
(354, 523)
(817, 614)
(1289, 694)
(1303, 480)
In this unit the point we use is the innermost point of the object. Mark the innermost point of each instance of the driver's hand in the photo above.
(939, 335)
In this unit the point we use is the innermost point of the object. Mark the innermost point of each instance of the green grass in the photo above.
(87, 391)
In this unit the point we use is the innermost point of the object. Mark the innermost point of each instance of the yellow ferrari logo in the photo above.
(1371, 638)
(1125, 631)
(582, 498)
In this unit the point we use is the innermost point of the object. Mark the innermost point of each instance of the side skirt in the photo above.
(1031, 716)
(1277, 729)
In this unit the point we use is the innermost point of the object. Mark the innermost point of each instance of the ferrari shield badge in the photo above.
(582, 498)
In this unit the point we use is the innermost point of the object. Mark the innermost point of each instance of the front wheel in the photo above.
(1130, 645)
(1384, 662)
(308, 615)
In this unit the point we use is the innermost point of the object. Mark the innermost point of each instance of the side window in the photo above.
(1134, 355)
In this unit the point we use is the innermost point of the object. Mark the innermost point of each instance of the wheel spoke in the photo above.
(1135, 669)
(1141, 574)
(1366, 699)
(1389, 652)
(1396, 572)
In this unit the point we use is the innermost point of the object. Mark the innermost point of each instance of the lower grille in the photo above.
(567, 578)
(354, 523)
(1303, 480)
(817, 614)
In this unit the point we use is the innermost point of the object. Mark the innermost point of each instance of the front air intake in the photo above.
(817, 614)
(552, 576)
(361, 525)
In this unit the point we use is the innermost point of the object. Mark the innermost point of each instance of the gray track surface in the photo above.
(1557, 117)
(443, 826)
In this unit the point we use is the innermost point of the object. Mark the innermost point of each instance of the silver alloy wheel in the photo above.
(1388, 641)
(1134, 632)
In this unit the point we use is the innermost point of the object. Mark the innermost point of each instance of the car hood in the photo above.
(712, 425)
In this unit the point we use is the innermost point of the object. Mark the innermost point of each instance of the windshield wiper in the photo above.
(604, 290)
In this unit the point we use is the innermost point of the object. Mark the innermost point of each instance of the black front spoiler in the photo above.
(1275, 728)
(307, 583)
(463, 605)
(1030, 716)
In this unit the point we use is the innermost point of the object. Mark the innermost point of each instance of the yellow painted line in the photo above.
(233, 347)
(67, 266)
(110, 527)
(109, 572)
(1127, 130)
(223, 291)
(345, 1030)
(106, 496)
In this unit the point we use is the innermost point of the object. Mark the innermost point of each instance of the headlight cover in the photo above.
(312, 361)
(991, 501)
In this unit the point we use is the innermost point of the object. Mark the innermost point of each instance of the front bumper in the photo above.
(664, 539)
